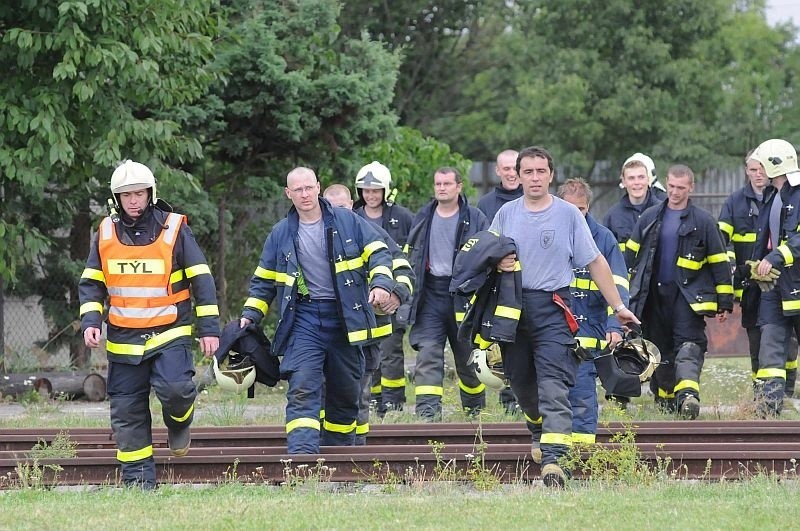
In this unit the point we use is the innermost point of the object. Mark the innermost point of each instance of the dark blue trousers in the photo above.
(542, 368)
(169, 372)
(318, 351)
(583, 398)
(671, 324)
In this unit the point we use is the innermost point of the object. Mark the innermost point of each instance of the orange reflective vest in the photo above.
(138, 277)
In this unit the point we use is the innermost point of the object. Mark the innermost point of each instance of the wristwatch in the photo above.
(619, 308)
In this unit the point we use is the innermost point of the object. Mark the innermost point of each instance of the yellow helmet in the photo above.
(489, 367)
(130, 176)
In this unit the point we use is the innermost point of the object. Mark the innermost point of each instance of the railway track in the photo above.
(711, 450)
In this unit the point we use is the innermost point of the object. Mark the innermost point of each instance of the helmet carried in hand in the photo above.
(237, 375)
(489, 367)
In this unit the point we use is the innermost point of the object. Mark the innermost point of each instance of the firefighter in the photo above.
(328, 269)
(679, 274)
(552, 239)
(376, 203)
(738, 222)
(339, 196)
(777, 247)
(144, 261)
(642, 190)
(508, 190)
(440, 229)
(595, 318)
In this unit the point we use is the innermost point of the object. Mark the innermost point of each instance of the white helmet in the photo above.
(489, 367)
(778, 158)
(649, 165)
(235, 380)
(131, 176)
(374, 175)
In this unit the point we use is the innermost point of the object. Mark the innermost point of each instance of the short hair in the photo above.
(632, 164)
(747, 157)
(449, 169)
(681, 170)
(576, 186)
(336, 190)
(534, 152)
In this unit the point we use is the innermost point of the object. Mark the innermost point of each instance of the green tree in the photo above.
(293, 90)
(440, 42)
(85, 84)
(597, 81)
(759, 80)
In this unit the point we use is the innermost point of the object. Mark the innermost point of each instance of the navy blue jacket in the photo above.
(495, 308)
(738, 222)
(703, 273)
(359, 261)
(588, 306)
(396, 220)
(622, 217)
(490, 203)
(470, 221)
(786, 254)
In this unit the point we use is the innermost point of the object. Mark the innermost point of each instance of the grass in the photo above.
(669, 505)
(725, 386)
(313, 503)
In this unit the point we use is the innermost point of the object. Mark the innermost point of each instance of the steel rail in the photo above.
(415, 434)
(710, 450)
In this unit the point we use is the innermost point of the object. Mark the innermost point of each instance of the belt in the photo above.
(307, 299)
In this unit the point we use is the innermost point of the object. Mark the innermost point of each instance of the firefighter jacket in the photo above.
(496, 296)
(470, 221)
(785, 255)
(490, 203)
(594, 315)
(738, 222)
(359, 261)
(396, 220)
(703, 274)
(145, 270)
(622, 217)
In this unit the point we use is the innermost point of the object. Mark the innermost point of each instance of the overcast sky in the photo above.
(783, 10)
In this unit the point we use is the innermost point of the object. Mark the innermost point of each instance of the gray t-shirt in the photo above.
(313, 260)
(442, 243)
(375, 221)
(550, 243)
(775, 221)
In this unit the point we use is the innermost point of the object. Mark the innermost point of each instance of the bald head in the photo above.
(300, 172)
(338, 195)
(506, 169)
(302, 188)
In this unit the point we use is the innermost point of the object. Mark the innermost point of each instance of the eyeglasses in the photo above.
(299, 190)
